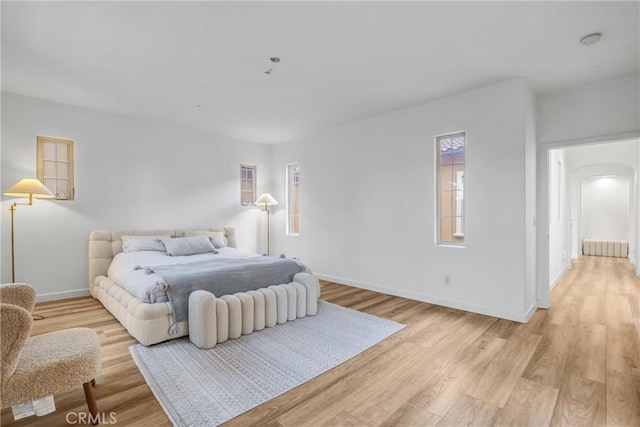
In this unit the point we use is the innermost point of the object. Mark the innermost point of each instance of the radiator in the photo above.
(613, 248)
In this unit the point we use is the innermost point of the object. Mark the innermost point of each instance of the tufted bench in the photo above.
(214, 320)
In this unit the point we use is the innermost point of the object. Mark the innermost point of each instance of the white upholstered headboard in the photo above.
(104, 245)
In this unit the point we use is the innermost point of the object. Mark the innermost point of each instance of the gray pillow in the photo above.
(143, 243)
(193, 245)
(217, 237)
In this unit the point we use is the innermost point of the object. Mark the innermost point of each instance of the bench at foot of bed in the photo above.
(214, 320)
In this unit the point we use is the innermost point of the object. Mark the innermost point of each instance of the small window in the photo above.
(55, 166)
(247, 185)
(293, 199)
(450, 188)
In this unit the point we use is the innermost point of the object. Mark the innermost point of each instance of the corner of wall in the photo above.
(530, 165)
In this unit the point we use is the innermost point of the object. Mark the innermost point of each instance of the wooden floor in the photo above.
(575, 364)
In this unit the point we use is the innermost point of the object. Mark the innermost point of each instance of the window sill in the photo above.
(450, 245)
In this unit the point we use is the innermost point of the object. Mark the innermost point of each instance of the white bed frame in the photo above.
(148, 323)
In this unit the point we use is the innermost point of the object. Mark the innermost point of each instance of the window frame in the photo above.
(254, 170)
(40, 141)
(289, 197)
(438, 194)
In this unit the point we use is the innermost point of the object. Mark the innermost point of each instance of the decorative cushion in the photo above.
(143, 243)
(217, 238)
(193, 245)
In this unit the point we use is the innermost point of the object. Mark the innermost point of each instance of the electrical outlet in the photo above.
(447, 280)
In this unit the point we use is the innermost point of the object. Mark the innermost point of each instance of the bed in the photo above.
(147, 315)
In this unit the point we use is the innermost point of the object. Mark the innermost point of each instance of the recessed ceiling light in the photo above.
(590, 39)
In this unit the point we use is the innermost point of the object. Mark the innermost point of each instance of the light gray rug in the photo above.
(208, 387)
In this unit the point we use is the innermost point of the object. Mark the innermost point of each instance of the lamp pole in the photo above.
(12, 209)
(266, 207)
(267, 199)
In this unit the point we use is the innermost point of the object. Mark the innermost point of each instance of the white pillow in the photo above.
(143, 243)
(192, 245)
(218, 238)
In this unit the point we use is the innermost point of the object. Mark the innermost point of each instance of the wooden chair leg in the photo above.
(91, 400)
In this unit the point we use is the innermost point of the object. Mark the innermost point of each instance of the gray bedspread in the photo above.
(222, 277)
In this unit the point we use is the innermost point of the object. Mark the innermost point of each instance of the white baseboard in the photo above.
(531, 311)
(52, 296)
(557, 278)
(517, 317)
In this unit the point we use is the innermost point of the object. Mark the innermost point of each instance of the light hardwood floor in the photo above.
(575, 364)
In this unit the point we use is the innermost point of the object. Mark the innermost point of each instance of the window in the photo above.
(55, 166)
(450, 188)
(247, 185)
(293, 199)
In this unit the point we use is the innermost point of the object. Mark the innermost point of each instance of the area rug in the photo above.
(208, 387)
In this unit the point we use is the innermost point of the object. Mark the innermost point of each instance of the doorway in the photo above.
(589, 191)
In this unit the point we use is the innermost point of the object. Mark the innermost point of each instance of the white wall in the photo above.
(368, 202)
(130, 174)
(558, 217)
(350, 203)
(601, 108)
(605, 208)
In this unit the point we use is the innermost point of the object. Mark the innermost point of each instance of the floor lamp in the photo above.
(33, 189)
(265, 201)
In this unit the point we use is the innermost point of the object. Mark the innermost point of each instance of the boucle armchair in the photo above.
(19, 294)
(46, 364)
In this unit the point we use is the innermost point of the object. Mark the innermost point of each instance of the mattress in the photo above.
(126, 272)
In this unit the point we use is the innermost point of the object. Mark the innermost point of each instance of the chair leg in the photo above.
(91, 400)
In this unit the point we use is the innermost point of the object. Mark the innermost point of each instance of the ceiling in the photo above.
(202, 64)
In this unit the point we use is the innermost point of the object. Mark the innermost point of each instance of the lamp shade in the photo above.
(266, 199)
(30, 187)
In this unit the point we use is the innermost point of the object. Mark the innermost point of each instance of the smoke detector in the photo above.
(592, 38)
